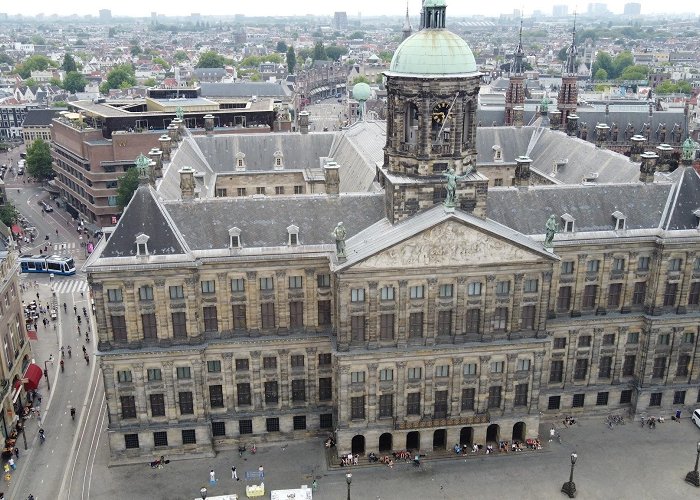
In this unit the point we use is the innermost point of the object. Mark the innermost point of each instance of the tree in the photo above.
(126, 186)
(605, 62)
(135, 50)
(635, 72)
(33, 63)
(163, 63)
(180, 56)
(319, 53)
(601, 74)
(360, 79)
(291, 59)
(211, 59)
(30, 82)
(74, 82)
(334, 52)
(69, 63)
(281, 47)
(122, 76)
(150, 82)
(8, 214)
(356, 35)
(39, 160)
(622, 61)
(386, 55)
(5, 59)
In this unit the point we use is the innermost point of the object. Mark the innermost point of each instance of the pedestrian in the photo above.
(87, 359)
(678, 416)
(234, 473)
(261, 472)
(551, 434)
(11, 461)
(17, 453)
(212, 477)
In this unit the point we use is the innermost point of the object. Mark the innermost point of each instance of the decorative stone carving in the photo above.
(582, 258)
(372, 285)
(311, 351)
(372, 367)
(457, 361)
(255, 354)
(519, 277)
(251, 275)
(280, 273)
(490, 278)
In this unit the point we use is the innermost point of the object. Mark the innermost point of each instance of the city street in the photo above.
(328, 114)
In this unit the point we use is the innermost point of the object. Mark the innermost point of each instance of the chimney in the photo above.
(664, 151)
(180, 127)
(165, 142)
(522, 171)
(637, 147)
(584, 131)
(518, 112)
(615, 132)
(647, 167)
(572, 125)
(156, 155)
(173, 133)
(186, 182)
(554, 119)
(331, 172)
(601, 134)
(209, 124)
(304, 122)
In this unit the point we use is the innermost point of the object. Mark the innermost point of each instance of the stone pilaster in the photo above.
(428, 395)
(139, 392)
(483, 389)
(228, 384)
(170, 391)
(253, 299)
(509, 384)
(192, 291)
(402, 316)
(256, 381)
(619, 357)
(537, 374)
(372, 318)
(431, 320)
(281, 302)
(489, 295)
(455, 386)
(310, 305)
(372, 406)
(400, 410)
(517, 298)
(605, 284)
(223, 300)
(132, 317)
(545, 292)
(578, 285)
(344, 399)
(460, 307)
(285, 380)
(686, 275)
(311, 374)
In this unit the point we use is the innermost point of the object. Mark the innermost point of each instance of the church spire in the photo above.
(407, 28)
(571, 52)
(516, 66)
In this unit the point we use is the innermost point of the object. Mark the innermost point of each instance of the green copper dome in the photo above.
(433, 52)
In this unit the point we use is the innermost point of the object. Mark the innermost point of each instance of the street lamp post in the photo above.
(348, 478)
(693, 477)
(46, 374)
(569, 488)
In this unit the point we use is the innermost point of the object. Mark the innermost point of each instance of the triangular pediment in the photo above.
(454, 242)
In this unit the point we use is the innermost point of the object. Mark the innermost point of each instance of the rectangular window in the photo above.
(416, 292)
(325, 420)
(179, 325)
(628, 365)
(474, 288)
(688, 337)
(614, 294)
(299, 390)
(296, 314)
(440, 404)
(271, 394)
(442, 371)
(473, 321)
(242, 365)
(523, 365)
(296, 282)
(211, 322)
(214, 366)
(445, 291)
(564, 299)
(267, 284)
(357, 295)
(260, 190)
(618, 264)
(679, 398)
(530, 285)
(659, 367)
(114, 295)
(604, 366)
(664, 339)
(279, 189)
(386, 293)
(468, 399)
(578, 400)
(119, 328)
(267, 315)
(503, 287)
(655, 399)
(177, 292)
(560, 343)
(640, 291)
(324, 312)
(154, 374)
(592, 266)
(243, 394)
(157, 405)
(245, 426)
(325, 389)
(183, 372)
(146, 293)
(357, 328)
(299, 422)
(626, 396)
(386, 405)
(674, 264)
(386, 327)
(602, 399)
(670, 294)
(323, 280)
(270, 363)
(413, 403)
(589, 296)
(521, 391)
(131, 441)
(567, 267)
(189, 436)
(527, 313)
(444, 323)
(128, 406)
(386, 375)
(415, 373)
(500, 319)
(241, 191)
(297, 360)
(494, 396)
(357, 408)
(581, 369)
(694, 295)
(415, 325)
(554, 403)
(218, 429)
(497, 366)
(186, 406)
(643, 264)
(238, 285)
(148, 321)
(584, 341)
(633, 338)
(208, 286)
(239, 317)
(216, 396)
(160, 438)
(469, 369)
(325, 359)
(556, 371)
(357, 377)
(298, 189)
(124, 376)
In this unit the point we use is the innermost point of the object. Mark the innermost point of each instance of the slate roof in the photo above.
(527, 210)
(244, 89)
(39, 117)
(357, 150)
(204, 224)
(686, 199)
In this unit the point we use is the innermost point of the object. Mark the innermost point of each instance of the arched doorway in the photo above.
(358, 444)
(466, 436)
(439, 439)
(385, 442)
(493, 433)
(519, 431)
(413, 440)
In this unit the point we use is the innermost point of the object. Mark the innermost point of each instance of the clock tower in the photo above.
(432, 88)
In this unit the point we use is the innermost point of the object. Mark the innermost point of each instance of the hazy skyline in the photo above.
(319, 7)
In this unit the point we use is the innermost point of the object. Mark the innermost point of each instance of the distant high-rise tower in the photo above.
(632, 9)
(515, 95)
(560, 11)
(105, 15)
(340, 21)
(568, 92)
(407, 30)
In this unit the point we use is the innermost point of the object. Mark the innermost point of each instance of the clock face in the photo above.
(440, 112)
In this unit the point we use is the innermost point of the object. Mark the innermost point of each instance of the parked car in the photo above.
(20, 171)
(696, 417)
(45, 206)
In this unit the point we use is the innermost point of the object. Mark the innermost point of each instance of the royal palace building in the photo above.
(406, 301)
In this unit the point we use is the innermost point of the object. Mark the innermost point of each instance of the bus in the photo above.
(55, 264)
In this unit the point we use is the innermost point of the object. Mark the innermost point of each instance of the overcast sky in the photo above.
(318, 7)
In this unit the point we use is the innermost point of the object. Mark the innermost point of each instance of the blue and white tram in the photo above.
(47, 264)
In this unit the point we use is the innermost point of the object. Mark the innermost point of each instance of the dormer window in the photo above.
(240, 161)
(278, 156)
(293, 232)
(497, 153)
(142, 244)
(619, 219)
(567, 223)
(234, 238)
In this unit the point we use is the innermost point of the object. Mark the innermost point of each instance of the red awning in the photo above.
(16, 229)
(32, 377)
